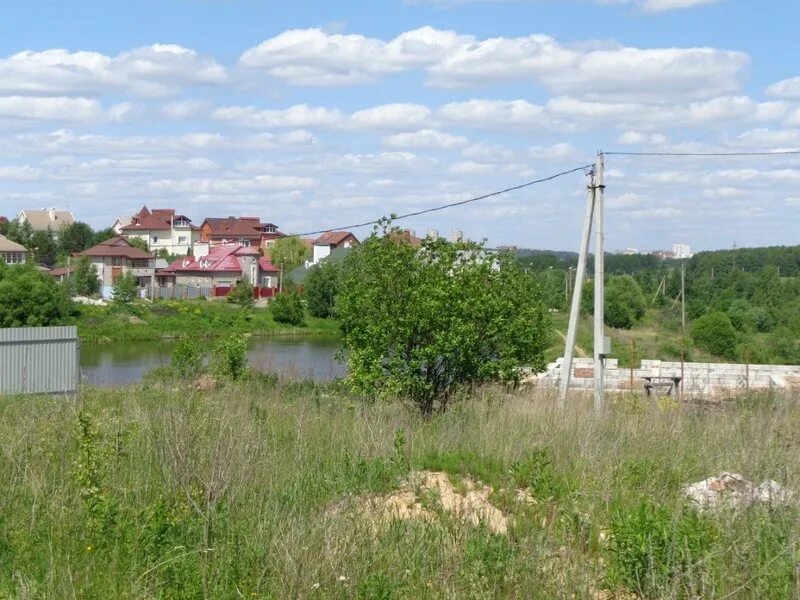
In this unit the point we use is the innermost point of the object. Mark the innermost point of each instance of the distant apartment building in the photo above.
(12, 253)
(681, 251)
(162, 229)
(46, 218)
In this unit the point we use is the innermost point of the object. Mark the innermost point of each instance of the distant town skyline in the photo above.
(317, 115)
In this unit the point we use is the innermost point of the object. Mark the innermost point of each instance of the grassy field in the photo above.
(185, 318)
(167, 492)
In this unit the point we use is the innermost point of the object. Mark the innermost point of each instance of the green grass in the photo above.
(185, 318)
(166, 492)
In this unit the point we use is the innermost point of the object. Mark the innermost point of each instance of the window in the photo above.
(266, 281)
(270, 243)
(244, 242)
(155, 239)
(14, 258)
(181, 239)
(116, 261)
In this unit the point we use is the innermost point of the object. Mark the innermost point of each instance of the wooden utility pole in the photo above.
(599, 286)
(574, 314)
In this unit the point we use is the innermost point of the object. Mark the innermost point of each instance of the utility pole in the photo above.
(599, 286)
(575, 309)
(683, 297)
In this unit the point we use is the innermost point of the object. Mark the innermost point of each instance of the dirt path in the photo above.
(578, 349)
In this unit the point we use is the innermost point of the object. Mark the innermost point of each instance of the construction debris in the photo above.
(731, 490)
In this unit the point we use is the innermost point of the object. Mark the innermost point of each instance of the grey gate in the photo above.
(39, 360)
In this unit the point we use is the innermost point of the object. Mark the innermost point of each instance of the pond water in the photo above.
(292, 358)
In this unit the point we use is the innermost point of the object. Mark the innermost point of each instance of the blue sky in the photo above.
(318, 114)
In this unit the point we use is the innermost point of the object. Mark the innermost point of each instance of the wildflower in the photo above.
(315, 586)
(89, 548)
(342, 578)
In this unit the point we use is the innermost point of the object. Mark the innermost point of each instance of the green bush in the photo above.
(714, 332)
(624, 302)
(85, 279)
(241, 294)
(30, 298)
(288, 308)
(125, 288)
(321, 288)
(229, 359)
(653, 551)
(187, 359)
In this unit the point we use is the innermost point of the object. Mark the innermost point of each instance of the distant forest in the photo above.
(753, 293)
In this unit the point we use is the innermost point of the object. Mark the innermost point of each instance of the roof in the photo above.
(6, 245)
(247, 251)
(265, 265)
(334, 238)
(234, 226)
(116, 246)
(58, 272)
(219, 258)
(159, 219)
(47, 218)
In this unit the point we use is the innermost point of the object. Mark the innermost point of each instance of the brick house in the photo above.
(222, 267)
(245, 231)
(115, 257)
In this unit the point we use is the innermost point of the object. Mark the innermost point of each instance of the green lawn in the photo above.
(258, 491)
(185, 318)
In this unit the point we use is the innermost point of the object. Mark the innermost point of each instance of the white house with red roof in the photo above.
(222, 267)
(115, 257)
(330, 241)
(162, 229)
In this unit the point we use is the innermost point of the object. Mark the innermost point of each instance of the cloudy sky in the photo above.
(319, 114)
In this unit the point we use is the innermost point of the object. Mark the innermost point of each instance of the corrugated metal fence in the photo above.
(39, 360)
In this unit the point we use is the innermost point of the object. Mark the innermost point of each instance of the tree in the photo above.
(289, 252)
(20, 232)
(422, 323)
(30, 298)
(86, 280)
(45, 248)
(75, 237)
(288, 308)
(125, 288)
(715, 332)
(624, 302)
(241, 294)
(321, 288)
(103, 235)
(138, 243)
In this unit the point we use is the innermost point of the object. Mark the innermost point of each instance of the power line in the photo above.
(700, 154)
(446, 206)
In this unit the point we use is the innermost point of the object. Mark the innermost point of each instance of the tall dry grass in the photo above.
(160, 492)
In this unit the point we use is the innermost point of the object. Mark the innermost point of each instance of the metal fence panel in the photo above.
(39, 360)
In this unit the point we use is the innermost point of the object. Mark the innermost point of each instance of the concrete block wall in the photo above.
(698, 378)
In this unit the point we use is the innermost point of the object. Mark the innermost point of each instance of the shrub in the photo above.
(652, 550)
(624, 302)
(424, 323)
(187, 359)
(125, 289)
(241, 294)
(321, 288)
(714, 332)
(86, 279)
(29, 298)
(230, 357)
(288, 308)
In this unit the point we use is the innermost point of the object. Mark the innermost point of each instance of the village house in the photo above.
(46, 218)
(115, 257)
(245, 231)
(330, 241)
(12, 253)
(222, 267)
(162, 229)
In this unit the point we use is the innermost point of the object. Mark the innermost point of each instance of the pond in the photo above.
(292, 358)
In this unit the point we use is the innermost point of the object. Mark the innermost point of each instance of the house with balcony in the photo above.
(245, 231)
(12, 253)
(115, 257)
(162, 229)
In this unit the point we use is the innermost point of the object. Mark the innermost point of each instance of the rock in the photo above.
(731, 490)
